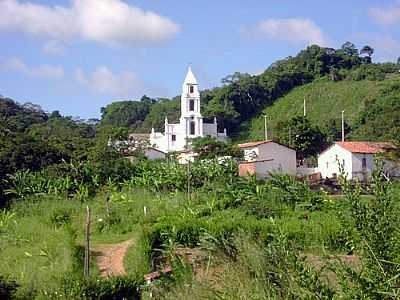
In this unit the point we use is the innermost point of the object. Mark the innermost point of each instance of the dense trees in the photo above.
(127, 113)
(306, 139)
(17, 117)
(367, 50)
(31, 139)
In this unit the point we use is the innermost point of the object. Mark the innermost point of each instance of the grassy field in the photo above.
(42, 238)
(237, 248)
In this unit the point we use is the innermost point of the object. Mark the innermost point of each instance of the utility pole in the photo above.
(265, 128)
(188, 180)
(87, 243)
(304, 107)
(342, 125)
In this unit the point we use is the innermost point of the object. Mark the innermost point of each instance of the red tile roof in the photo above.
(366, 147)
(253, 144)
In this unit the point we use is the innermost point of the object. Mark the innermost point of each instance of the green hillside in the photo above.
(325, 99)
(331, 80)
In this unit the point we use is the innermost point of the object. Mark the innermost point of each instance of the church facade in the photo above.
(177, 137)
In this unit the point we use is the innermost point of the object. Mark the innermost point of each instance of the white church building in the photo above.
(177, 137)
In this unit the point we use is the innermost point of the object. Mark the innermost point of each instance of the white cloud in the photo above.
(294, 30)
(386, 16)
(44, 71)
(53, 48)
(104, 81)
(112, 22)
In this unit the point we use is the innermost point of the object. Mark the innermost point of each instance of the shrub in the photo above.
(7, 288)
(73, 287)
(293, 192)
(376, 229)
(108, 222)
(60, 217)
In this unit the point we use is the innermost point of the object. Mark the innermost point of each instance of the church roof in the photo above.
(190, 78)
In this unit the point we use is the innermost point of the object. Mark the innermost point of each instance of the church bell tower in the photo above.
(191, 119)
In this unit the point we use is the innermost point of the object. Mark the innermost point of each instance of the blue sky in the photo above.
(79, 55)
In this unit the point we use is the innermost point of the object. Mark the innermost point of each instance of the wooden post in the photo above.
(108, 204)
(87, 243)
(188, 180)
(265, 128)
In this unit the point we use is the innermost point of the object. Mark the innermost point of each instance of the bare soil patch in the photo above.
(110, 258)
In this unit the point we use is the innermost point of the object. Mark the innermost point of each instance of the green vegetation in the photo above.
(224, 236)
(344, 79)
(277, 239)
(370, 107)
(324, 102)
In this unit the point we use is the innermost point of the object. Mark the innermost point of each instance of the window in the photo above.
(327, 165)
(191, 89)
(173, 137)
(364, 163)
(192, 128)
(191, 105)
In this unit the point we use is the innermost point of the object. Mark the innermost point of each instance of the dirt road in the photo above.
(110, 258)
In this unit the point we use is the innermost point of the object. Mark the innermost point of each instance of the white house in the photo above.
(356, 159)
(153, 153)
(176, 137)
(264, 157)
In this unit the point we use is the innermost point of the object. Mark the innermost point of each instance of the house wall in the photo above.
(159, 141)
(152, 154)
(358, 171)
(353, 164)
(389, 167)
(265, 168)
(284, 158)
(271, 157)
(251, 154)
(328, 162)
(246, 169)
(392, 168)
(210, 129)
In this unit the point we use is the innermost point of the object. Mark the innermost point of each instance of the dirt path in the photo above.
(110, 258)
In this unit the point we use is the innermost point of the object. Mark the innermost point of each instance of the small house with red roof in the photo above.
(356, 159)
(264, 157)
